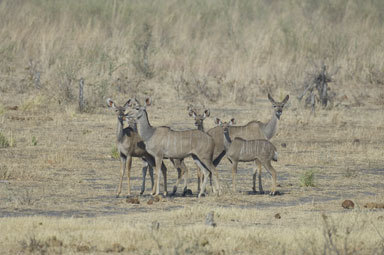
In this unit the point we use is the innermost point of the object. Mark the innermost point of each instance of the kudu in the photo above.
(199, 123)
(251, 131)
(129, 144)
(241, 150)
(163, 142)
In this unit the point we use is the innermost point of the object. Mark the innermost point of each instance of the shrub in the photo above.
(307, 179)
(115, 153)
(4, 143)
(34, 140)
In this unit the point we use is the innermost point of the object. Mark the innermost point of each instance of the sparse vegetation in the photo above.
(115, 152)
(34, 140)
(307, 179)
(242, 48)
(58, 196)
(4, 143)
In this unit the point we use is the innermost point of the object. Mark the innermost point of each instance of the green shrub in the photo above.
(4, 143)
(34, 140)
(307, 179)
(115, 153)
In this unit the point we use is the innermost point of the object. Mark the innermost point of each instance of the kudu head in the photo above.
(137, 110)
(225, 125)
(120, 110)
(199, 118)
(278, 106)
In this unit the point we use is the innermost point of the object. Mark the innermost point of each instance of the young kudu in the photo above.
(129, 144)
(163, 142)
(251, 131)
(199, 123)
(240, 150)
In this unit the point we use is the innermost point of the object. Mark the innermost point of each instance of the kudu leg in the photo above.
(164, 172)
(272, 171)
(144, 174)
(184, 170)
(177, 164)
(258, 163)
(129, 165)
(234, 173)
(123, 160)
(212, 171)
(156, 190)
(206, 175)
(151, 175)
(199, 179)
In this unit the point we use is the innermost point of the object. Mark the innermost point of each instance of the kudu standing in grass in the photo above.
(163, 142)
(251, 131)
(199, 123)
(240, 150)
(129, 144)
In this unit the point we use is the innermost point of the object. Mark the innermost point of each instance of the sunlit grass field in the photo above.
(58, 167)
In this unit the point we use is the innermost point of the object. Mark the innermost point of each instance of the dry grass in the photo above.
(185, 49)
(183, 231)
(70, 173)
(59, 174)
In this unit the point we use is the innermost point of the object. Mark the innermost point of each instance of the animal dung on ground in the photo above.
(374, 205)
(277, 216)
(284, 145)
(348, 204)
(133, 200)
(150, 201)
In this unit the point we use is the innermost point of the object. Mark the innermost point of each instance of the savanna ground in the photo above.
(58, 176)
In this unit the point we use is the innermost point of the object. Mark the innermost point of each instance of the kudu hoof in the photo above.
(274, 193)
(201, 195)
(187, 192)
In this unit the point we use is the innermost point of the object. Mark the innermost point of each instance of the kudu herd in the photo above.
(154, 144)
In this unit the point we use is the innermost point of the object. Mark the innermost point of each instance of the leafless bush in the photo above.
(128, 85)
(316, 88)
(4, 173)
(34, 73)
(34, 245)
(194, 88)
(142, 52)
(375, 75)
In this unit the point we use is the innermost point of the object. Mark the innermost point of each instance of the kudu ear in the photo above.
(285, 99)
(206, 113)
(148, 101)
(128, 103)
(232, 122)
(218, 121)
(110, 103)
(271, 99)
(191, 112)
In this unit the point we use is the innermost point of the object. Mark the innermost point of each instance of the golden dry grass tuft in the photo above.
(59, 174)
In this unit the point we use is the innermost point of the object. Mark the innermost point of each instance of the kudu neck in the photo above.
(119, 131)
(144, 128)
(227, 139)
(271, 127)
